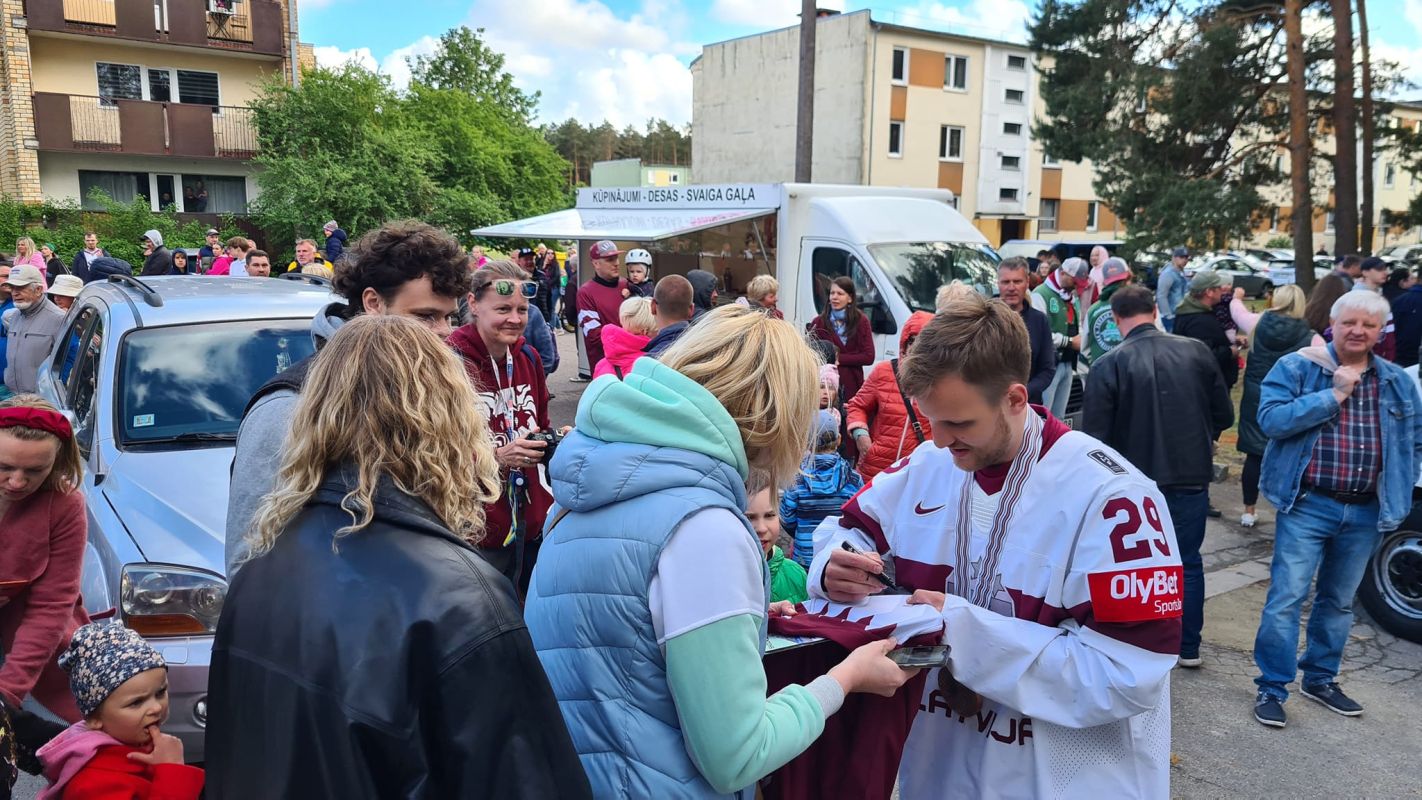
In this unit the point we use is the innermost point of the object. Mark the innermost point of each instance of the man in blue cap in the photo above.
(1170, 289)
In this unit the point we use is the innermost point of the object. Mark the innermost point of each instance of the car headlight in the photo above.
(159, 600)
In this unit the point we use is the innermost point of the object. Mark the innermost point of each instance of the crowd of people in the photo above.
(505, 607)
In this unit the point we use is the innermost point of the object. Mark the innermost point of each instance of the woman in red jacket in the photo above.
(42, 537)
(877, 417)
(513, 391)
(845, 327)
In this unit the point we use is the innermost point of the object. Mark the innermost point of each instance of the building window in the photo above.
(674, 178)
(955, 73)
(896, 138)
(215, 194)
(1015, 96)
(1092, 209)
(900, 74)
(1047, 220)
(950, 143)
(1048, 161)
(1274, 220)
(124, 187)
(1389, 175)
(1141, 104)
(1017, 62)
(1012, 163)
(1007, 195)
(198, 88)
(119, 82)
(1328, 222)
(1011, 129)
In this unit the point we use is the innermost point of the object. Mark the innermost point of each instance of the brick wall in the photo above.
(19, 165)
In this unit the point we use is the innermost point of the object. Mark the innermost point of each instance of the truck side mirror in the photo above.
(880, 320)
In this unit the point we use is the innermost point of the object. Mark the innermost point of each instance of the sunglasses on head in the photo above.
(506, 288)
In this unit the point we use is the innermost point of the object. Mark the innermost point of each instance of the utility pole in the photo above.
(805, 108)
(1365, 243)
(1299, 146)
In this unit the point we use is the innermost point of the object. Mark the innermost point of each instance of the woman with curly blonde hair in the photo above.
(649, 602)
(383, 648)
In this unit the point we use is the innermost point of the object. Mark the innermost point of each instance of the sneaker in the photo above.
(1332, 698)
(1213, 513)
(1189, 662)
(1248, 520)
(1269, 710)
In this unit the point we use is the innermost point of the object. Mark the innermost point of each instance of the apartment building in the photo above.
(139, 98)
(895, 106)
(632, 172)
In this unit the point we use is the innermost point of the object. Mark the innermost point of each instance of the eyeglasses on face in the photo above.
(506, 288)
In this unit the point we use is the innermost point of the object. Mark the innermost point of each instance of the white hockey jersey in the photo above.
(1072, 654)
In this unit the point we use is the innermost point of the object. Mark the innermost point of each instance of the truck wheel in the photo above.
(1392, 587)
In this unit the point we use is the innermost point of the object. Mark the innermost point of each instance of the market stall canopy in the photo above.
(644, 214)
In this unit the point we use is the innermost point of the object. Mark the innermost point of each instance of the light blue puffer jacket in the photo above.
(647, 453)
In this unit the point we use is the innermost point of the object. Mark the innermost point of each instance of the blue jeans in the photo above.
(1054, 399)
(1320, 535)
(1168, 323)
(553, 304)
(1187, 513)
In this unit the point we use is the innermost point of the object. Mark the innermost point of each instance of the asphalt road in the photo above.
(1219, 750)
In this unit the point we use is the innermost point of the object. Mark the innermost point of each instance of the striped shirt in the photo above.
(1348, 454)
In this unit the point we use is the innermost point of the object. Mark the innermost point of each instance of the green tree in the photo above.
(463, 62)
(339, 147)
(659, 143)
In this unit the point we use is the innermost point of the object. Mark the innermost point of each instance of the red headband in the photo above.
(37, 418)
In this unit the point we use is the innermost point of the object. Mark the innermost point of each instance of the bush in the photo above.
(1280, 243)
(120, 226)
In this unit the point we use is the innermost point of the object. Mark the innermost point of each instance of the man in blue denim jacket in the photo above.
(1345, 430)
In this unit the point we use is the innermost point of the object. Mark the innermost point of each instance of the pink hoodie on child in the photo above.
(68, 753)
(620, 349)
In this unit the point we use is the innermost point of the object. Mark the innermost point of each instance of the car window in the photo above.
(918, 270)
(829, 263)
(194, 381)
(63, 363)
(84, 380)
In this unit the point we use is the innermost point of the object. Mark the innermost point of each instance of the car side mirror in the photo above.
(880, 320)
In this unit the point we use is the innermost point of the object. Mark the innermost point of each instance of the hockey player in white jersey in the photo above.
(1054, 564)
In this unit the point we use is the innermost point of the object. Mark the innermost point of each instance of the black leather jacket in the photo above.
(396, 667)
(1160, 401)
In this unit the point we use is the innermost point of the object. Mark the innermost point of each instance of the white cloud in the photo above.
(764, 14)
(393, 64)
(331, 57)
(993, 19)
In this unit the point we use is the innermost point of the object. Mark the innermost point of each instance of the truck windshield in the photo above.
(917, 270)
(191, 383)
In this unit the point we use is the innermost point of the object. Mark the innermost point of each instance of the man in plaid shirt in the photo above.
(1346, 449)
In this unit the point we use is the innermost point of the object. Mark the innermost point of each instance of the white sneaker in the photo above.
(1248, 520)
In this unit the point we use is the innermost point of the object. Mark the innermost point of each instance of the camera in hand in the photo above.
(549, 438)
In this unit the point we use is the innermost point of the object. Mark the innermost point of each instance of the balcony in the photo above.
(79, 123)
(255, 26)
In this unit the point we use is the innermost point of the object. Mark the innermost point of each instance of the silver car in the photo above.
(155, 376)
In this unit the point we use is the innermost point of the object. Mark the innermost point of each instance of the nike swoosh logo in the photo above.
(923, 512)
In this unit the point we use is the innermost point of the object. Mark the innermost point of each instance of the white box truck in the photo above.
(898, 245)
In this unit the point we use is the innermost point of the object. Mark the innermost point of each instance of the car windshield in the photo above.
(191, 383)
(1024, 249)
(918, 270)
(1396, 250)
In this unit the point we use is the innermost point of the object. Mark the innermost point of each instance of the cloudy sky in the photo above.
(626, 60)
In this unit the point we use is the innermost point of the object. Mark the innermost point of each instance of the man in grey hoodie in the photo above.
(405, 269)
(158, 260)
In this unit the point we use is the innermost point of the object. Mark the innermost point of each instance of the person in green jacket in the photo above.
(787, 578)
(1100, 335)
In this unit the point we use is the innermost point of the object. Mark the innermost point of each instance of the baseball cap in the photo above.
(1114, 271)
(25, 275)
(603, 249)
(1373, 262)
(67, 286)
(1208, 279)
(213, 232)
(1077, 268)
(639, 256)
(523, 251)
(826, 428)
(1181, 252)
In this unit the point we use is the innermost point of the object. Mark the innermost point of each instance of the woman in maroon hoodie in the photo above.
(514, 393)
(42, 536)
(845, 327)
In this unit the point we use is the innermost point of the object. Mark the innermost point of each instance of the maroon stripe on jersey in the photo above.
(855, 518)
(912, 574)
(1157, 635)
(1035, 609)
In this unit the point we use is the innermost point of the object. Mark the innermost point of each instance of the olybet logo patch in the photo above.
(1137, 595)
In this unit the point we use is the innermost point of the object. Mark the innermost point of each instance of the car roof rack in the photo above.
(150, 295)
(319, 280)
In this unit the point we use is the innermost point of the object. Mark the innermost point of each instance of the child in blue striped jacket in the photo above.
(826, 482)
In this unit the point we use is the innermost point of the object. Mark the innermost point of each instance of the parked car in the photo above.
(1402, 254)
(1391, 590)
(1240, 272)
(1147, 266)
(1281, 272)
(154, 374)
